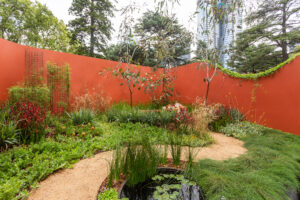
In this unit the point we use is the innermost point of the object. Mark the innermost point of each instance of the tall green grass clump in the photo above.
(81, 117)
(136, 162)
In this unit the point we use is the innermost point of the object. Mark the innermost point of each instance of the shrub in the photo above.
(31, 120)
(81, 117)
(242, 129)
(183, 117)
(125, 114)
(224, 116)
(91, 101)
(8, 131)
(37, 95)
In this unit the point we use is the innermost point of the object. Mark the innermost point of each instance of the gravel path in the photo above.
(83, 181)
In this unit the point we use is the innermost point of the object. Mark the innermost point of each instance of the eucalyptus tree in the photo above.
(92, 26)
(215, 13)
(130, 74)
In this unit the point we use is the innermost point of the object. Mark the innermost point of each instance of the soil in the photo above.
(83, 181)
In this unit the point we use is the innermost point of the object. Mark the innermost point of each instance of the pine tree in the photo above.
(275, 26)
(92, 26)
(163, 35)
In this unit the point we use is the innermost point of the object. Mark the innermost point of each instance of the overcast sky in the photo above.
(184, 11)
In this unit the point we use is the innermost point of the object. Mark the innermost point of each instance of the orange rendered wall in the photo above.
(84, 73)
(273, 101)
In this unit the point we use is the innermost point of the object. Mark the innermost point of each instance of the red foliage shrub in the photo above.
(183, 117)
(29, 116)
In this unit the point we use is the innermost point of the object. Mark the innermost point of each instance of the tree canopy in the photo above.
(92, 26)
(163, 39)
(273, 29)
(33, 24)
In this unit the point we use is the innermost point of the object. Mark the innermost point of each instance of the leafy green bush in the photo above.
(81, 117)
(8, 131)
(37, 95)
(242, 129)
(226, 115)
(110, 194)
(125, 114)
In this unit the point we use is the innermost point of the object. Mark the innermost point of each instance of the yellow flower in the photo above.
(92, 128)
(63, 127)
(73, 134)
(83, 133)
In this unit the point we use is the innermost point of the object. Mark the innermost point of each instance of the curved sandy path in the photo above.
(83, 181)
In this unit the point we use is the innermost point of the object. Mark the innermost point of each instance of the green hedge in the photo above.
(38, 95)
(256, 76)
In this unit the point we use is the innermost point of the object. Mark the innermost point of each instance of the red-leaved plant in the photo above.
(31, 119)
(183, 117)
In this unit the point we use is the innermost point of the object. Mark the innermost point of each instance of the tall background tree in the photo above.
(163, 39)
(92, 26)
(117, 51)
(273, 28)
(33, 24)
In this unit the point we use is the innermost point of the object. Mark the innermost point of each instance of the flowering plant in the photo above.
(183, 117)
(31, 119)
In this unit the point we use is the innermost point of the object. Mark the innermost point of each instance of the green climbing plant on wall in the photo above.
(256, 76)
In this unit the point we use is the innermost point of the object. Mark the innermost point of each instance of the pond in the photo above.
(168, 183)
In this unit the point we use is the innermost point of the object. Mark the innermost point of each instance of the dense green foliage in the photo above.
(110, 194)
(92, 26)
(118, 51)
(33, 24)
(8, 131)
(224, 116)
(164, 40)
(38, 95)
(241, 129)
(124, 113)
(272, 26)
(253, 59)
(269, 170)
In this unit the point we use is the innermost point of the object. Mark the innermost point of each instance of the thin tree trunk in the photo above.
(284, 45)
(130, 97)
(207, 91)
(92, 39)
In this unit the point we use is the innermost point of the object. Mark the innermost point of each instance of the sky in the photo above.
(184, 12)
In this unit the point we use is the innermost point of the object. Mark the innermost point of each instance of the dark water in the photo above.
(145, 190)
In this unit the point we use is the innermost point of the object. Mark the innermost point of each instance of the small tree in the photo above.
(215, 13)
(132, 77)
(129, 73)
